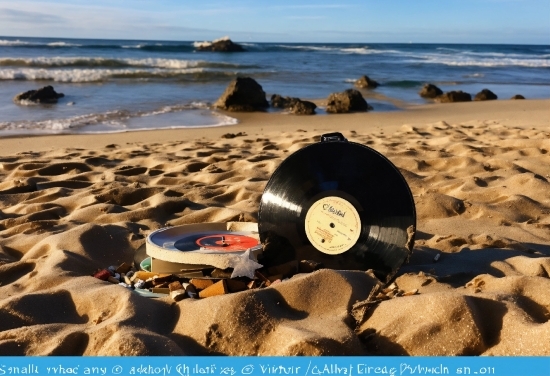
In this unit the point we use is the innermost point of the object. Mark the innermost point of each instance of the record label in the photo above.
(332, 225)
(227, 242)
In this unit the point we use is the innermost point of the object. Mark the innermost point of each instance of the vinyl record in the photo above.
(339, 203)
(223, 242)
(212, 244)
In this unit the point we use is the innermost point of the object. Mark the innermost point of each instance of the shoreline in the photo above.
(511, 112)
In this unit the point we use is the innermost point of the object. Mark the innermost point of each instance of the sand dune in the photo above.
(482, 193)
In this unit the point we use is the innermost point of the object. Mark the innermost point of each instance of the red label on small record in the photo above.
(227, 243)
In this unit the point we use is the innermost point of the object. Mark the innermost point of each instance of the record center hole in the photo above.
(332, 225)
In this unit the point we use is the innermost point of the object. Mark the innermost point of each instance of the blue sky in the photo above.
(417, 21)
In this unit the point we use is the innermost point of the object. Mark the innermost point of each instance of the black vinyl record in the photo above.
(339, 203)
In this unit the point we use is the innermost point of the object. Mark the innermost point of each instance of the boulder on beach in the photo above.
(219, 45)
(278, 101)
(518, 96)
(349, 100)
(295, 105)
(454, 96)
(303, 108)
(430, 91)
(243, 94)
(364, 82)
(47, 94)
(485, 95)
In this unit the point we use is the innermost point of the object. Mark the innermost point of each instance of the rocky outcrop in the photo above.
(454, 96)
(303, 108)
(278, 101)
(347, 101)
(242, 94)
(364, 82)
(295, 106)
(45, 95)
(219, 45)
(485, 95)
(518, 96)
(430, 91)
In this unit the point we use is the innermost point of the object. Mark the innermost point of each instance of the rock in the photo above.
(430, 91)
(364, 82)
(219, 45)
(347, 101)
(44, 95)
(485, 95)
(279, 101)
(454, 96)
(303, 108)
(518, 96)
(296, 106)
(242, 94)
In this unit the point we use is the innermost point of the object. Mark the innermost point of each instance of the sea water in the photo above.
(124, 85)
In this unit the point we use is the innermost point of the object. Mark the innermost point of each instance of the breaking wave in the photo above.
(117, 121)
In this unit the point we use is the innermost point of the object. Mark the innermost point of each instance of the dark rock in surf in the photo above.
(220, 45)
(430, 91)
(45, 95)
(364, 82)
(349, 100)
(295, 106)
(243, 94)
(518, 96)
(303, 108)
(485, 95)
(278, 101)
(454, 96)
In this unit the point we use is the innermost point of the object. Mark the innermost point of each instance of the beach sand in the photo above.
(479, 173)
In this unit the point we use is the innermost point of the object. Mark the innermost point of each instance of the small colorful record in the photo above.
(227, 242)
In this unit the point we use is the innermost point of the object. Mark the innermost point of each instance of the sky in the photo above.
(344, 21)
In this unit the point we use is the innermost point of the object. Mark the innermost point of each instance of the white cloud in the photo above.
(16, 16)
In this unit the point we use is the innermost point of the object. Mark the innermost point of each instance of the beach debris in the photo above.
(518, 96)
(243, 94)
(224, 44)
(436, 258)
(233, 135)
(364, 82)
(245, 265)
(309, 266)
(45, 95)
(218, 288)
(430, 91)
(177, 291)
(453, 96)
(102, 274)
(211, 282)
(485, 95)
(349, 100)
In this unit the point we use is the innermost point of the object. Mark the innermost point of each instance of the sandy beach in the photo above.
(479, 173)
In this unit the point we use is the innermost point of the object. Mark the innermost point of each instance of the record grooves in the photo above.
(339, 203)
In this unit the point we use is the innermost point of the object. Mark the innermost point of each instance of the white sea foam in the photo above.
(118, 121)
(13, 42)
(89, 75)
(100, 61)
(207, 44)
(63, 44)
(490, 62)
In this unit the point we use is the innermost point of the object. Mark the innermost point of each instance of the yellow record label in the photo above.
(333, 225)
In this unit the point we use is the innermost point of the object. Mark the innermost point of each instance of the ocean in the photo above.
(125, 85)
